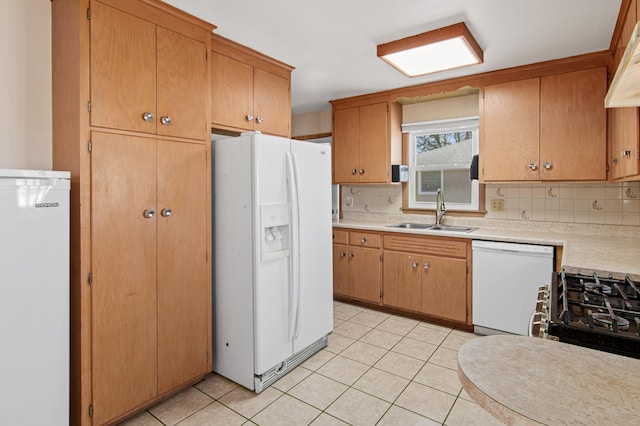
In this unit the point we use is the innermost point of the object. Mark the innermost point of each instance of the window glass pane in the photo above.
(457, 186)
(427, 183)
(444, 149)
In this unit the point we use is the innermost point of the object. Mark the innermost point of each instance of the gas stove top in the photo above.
(597, 311)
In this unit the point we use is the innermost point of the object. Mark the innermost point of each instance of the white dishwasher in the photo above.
(505, 279)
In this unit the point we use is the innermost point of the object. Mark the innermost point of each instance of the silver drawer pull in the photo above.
(426, 265)
(363, 240)
(415, 264)
(148, 213)
(166, 212)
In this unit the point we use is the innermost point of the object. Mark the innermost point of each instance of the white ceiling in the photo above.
(332, 43)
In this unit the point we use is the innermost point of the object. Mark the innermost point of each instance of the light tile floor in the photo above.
(378, 369)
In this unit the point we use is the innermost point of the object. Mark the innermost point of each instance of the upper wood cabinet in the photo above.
(249, 91)
(145, 77)
(548, 128)
(510, 123)
(624, 123)
(366, 141)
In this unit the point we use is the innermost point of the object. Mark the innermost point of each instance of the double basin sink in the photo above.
(447, 228)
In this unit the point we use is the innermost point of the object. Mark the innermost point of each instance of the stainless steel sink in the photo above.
(407, 225)
(451, 228)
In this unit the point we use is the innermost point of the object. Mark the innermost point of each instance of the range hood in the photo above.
(625, 87)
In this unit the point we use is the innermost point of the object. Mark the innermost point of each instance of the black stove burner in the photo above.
(602, 313)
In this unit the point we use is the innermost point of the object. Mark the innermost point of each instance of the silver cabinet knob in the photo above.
(249, 117)
(350, 254)
(259, 120)
(147, 116)
(547, 165)
(625, 153)
(363, 240)
(148, 213)
(165, 120)
(415, 264)
(426, 265)
(361, 171)
(533, 166)
(166, 212)
(343, 254)
(354, 171)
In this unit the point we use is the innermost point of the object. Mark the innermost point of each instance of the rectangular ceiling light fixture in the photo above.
(438, 50)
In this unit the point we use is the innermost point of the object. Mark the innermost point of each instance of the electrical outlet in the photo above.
(497, 204)
(348, 201)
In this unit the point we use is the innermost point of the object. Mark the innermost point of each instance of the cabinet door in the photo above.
(184, 293)
(444, 287)
(625, 139)
(231, 92)
(573, 126)
(402, 286)
(271, 103)
(123, 70)
(510, 131)
(364, 273)
(182, 86)
(346, 145)
(124, 343)
(374, 159)
(340, 270)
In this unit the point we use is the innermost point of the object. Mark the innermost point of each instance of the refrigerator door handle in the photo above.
(294, 265)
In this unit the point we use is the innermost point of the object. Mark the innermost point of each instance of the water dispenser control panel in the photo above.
(274, 227)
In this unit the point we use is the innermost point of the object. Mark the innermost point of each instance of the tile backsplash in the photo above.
(594, 203)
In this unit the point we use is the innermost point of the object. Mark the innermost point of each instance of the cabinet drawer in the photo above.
(340, 237)
(426, 245)
(364, 239)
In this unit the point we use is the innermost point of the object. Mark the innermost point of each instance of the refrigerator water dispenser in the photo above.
(274, 225)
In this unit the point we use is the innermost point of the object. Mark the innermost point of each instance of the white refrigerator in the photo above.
(273, 287)
(34, 297)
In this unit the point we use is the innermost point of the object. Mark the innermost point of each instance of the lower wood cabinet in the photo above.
(357, 267)
(425, 275)
(444, 287)
(403, 280)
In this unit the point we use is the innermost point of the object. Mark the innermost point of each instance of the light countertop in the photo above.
(524, 380)
(586, 248)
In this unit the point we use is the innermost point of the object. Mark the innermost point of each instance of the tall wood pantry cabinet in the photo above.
(131, 84)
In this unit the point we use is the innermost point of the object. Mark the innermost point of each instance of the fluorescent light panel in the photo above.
(438, 50)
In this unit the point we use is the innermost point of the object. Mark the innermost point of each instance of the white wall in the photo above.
(311, 123)
(25, 84)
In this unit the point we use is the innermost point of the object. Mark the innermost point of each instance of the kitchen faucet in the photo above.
(440, 208)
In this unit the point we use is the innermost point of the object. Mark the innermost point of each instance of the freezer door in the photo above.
(315, 296)
(34, 297)
(270, 253)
